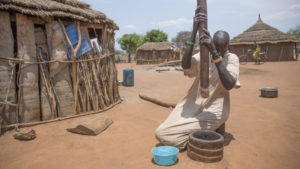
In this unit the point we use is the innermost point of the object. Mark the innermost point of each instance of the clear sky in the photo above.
(173, 16)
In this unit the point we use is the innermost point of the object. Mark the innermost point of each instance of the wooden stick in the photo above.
(173, 62)
(110, 80)
(66, 35)
(280, 53)
(74, 53)
(74, 67)
(97, 84)
(162, 69)
(11, 79)
(104, 83)
(13, 126)
(297, 52)
(82, 100)
(20, 73)
(156, 101)
(204, 55)
(89, 93)
(88, 77)
(49, 90)
(10, 104)
(58, 61)
(114, 75)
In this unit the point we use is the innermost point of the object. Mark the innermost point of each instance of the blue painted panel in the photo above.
(72, 34)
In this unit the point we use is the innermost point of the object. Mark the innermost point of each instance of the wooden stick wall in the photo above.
(93, 77)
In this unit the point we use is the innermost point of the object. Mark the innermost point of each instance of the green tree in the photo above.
(295, 31)
(155, 35)
(129, 43)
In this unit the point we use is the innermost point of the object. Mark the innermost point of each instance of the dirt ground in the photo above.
(261, 133)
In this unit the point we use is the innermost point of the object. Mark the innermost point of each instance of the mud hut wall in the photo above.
(42, 54)
(138, 56)
(7, 72)
(29, 104)
(279, 52)
(166, 55)
(51, 53)
(274, 52)
(60, 72)
(240, 50)
(155, 56)
(143, 56)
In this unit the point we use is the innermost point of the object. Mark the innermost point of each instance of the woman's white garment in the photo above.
(194, 112)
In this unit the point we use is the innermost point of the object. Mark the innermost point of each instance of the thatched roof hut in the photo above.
(67, 9)
(49, 67)
(277, 45)
(156, 52)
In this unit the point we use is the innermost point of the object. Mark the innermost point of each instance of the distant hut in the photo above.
(156, 52)
(49, 68)
(277, 45)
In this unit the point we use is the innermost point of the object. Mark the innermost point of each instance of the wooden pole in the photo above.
(156, 101)
(74, 53)
(280, 54)
(204, 55)
(10, 80)
(13, 126)
(97, 87)
(48, 85)
(296, 52)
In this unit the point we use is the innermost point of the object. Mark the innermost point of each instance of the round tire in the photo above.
(205, 146)
(205, 139)
(205, 152)
(269, 92)
(197, 157)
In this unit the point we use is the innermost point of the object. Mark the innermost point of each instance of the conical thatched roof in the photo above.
(72, 9)
(156, 46)
(262, 33)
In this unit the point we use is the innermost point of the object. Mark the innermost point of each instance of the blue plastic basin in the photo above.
(165, 155)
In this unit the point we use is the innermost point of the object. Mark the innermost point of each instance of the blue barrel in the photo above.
(128, 77)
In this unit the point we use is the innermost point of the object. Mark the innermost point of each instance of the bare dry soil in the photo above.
(261, 133)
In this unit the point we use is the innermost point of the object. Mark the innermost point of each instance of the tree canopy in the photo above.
(130, 42)
(295, 31)
(155, 35)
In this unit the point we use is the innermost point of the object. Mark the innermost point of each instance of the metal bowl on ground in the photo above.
(205, 146)
(269, 92)
(165, 155)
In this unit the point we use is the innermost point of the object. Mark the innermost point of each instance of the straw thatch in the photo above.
(276, 45)
(156, 52)
(262, 33)
(149, 46)
(71, 9)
